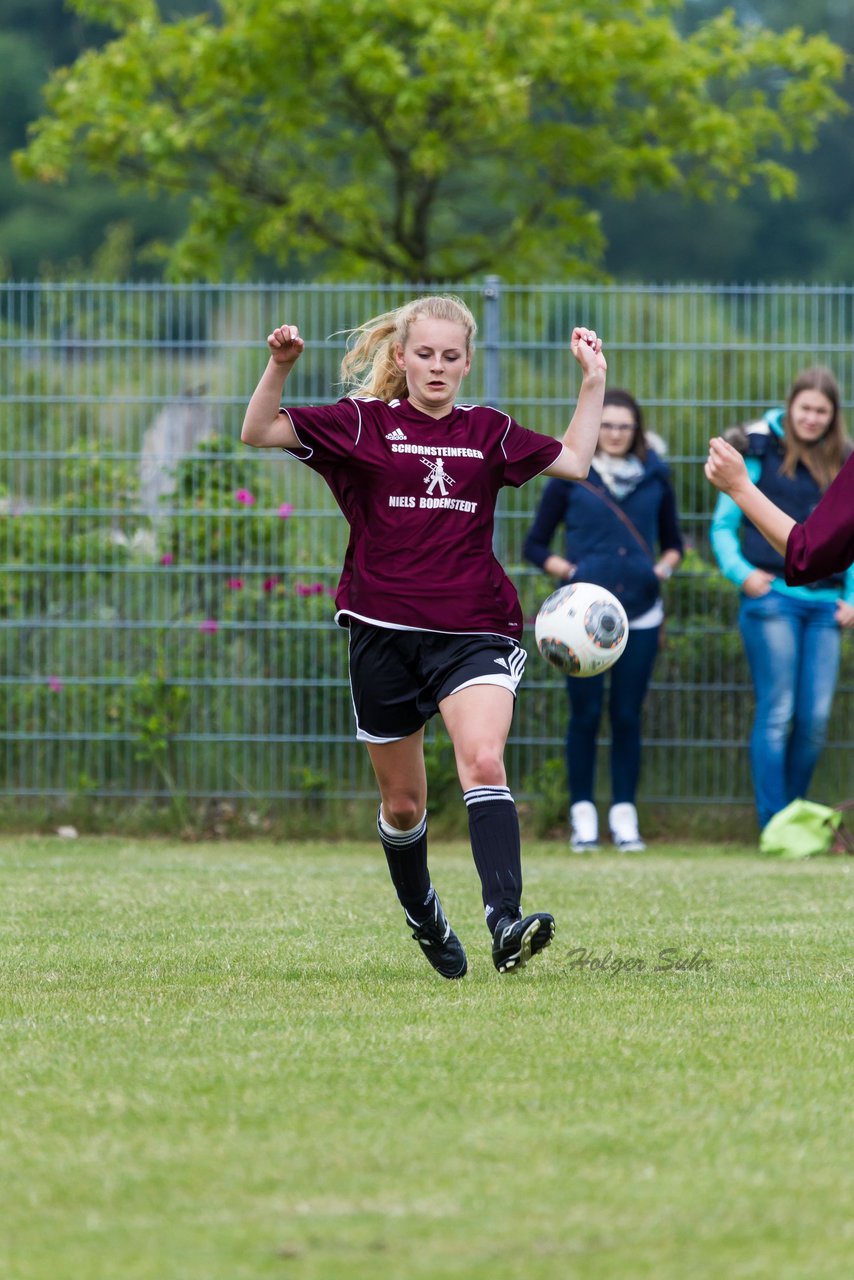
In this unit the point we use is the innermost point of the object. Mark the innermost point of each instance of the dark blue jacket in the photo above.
(738, 546)
(797, 495)
(597, 541)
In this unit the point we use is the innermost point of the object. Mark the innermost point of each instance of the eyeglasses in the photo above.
(617, 426)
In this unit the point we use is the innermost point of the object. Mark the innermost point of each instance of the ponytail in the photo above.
(369, 367)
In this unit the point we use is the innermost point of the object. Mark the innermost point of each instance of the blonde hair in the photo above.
(369, 368)
(825, 457)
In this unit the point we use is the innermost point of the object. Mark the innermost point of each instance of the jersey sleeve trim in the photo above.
(359, 427)
(509, 422)
(302, 451)
(559, 444)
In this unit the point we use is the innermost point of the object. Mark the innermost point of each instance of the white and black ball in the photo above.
(581, 629)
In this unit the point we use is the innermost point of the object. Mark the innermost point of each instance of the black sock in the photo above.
(406, 855)
(494, 832)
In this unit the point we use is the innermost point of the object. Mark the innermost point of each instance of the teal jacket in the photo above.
(726, 541)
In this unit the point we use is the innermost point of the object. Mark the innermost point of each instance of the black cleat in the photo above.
(439, 943)
(515, 941)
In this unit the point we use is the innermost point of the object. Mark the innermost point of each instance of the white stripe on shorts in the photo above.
(506, 682)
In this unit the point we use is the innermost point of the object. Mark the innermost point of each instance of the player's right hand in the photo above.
(725, 466)
(286, 346)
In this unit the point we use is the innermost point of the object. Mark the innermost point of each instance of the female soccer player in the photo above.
(434, 621)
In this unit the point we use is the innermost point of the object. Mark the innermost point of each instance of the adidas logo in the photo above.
(502, 662)
(397, 434)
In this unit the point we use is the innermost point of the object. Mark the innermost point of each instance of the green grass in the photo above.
(230, 1062)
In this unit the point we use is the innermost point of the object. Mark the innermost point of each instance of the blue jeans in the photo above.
(629, 677)
(793, 648)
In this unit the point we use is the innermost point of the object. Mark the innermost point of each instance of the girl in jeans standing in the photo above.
(611, 526)
(791, 633)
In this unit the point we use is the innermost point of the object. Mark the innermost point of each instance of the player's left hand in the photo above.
(586, 346)
(844, 614)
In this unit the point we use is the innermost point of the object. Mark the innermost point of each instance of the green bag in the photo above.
(800, 830)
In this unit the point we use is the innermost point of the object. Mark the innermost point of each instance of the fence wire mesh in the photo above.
(165, 593)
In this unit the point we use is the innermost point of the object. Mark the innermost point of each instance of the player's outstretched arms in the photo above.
(263, 425)
(582, 435)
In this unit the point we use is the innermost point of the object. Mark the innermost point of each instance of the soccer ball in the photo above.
(581, 629)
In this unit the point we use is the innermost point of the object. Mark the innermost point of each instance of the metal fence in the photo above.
(165, 611)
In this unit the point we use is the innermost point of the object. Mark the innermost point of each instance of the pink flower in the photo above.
(168, 558)
(270, 584)
(234, 584)
(54, 684)
(285, 510)
(332, 591)
(309, 589)
(244, 496)
(210, 625)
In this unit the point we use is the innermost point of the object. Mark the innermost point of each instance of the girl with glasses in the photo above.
(611, 526)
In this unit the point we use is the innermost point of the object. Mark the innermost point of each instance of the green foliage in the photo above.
(221, 477)
(73, 536)
(209, 586)
(549, 785)
(386, 139)
(666, 236)
(157, 712)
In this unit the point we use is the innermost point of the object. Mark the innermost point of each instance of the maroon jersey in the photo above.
(824, 544)
(419, 495)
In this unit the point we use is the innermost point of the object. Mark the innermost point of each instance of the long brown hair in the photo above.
(369, 368)
(824, 458)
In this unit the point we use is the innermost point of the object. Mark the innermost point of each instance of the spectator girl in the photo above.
(610, 526)
(791, 633)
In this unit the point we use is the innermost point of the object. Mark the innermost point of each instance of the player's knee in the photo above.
(403, 811)
(485, 767)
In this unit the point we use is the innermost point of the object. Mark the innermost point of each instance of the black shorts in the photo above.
(398, 678)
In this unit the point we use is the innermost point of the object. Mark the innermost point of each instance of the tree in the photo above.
(84, 227)
(424, 139)
(663, 236)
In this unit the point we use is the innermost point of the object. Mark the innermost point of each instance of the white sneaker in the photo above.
(584, 827)
(623, 821)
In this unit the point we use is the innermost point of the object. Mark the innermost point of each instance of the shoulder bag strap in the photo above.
(621, 515)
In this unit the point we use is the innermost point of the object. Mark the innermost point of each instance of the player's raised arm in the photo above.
(263, 425)
(582, 435)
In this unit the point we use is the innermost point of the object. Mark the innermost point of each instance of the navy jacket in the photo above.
(797, 495)
(597, 541)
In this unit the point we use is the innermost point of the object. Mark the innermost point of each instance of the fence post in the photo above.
(491, 339)
(492, 373)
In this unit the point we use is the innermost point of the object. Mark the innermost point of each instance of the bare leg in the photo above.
(478, 720)
(402, 779)
(402, 824)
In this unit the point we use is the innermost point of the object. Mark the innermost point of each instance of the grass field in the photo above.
(230, 1062)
